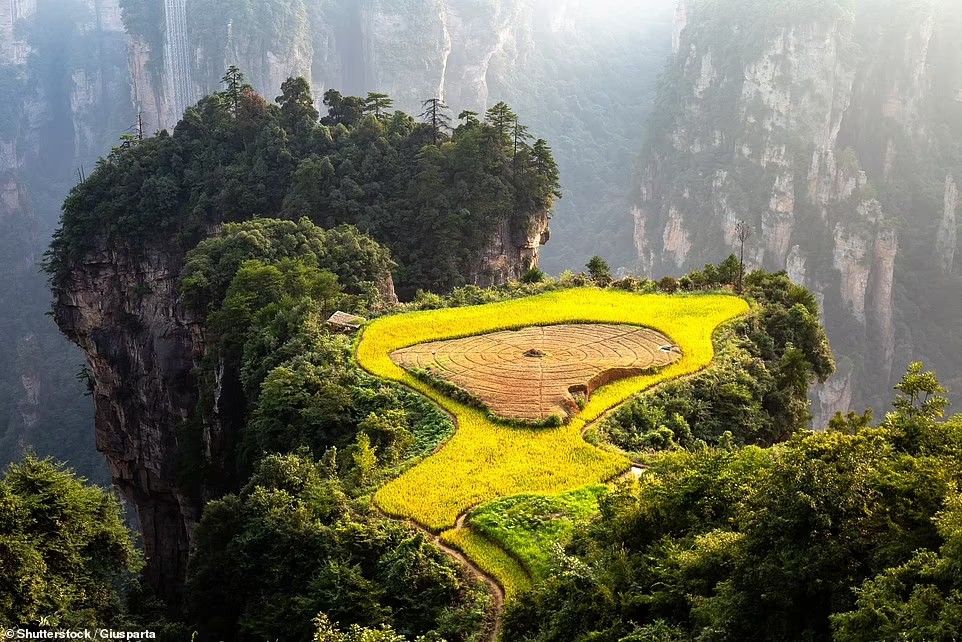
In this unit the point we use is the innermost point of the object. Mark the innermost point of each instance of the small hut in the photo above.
(344, 322)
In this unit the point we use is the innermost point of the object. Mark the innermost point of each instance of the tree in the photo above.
(501, 119)
(668, 284)
(533, 275)
(377, 104)
(65, 552)
(342, 110)
(728, 270)
(469, 117)
(234, 87)
(918, 600)
(546, 169)
(298, 114)
(290, 546)
(389, 432)
(921, 395)
(436, 115)
(365, 458)
(327, 632)
(599, 271)
(743, 231)
(520, 135)
(851, 422)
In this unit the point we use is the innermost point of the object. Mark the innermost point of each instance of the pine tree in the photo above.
(469, 117)
(546, 169)
(501, 118)
(298, 114)
(521, 136)
(234, 84)
(435, 114)
(377, 104)
(342, 110)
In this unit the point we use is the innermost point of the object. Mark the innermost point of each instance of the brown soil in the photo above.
(537, 372)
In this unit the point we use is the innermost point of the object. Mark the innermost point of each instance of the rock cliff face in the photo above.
(64, 86)
(412, 51)
(819, 129)
(511, 252)
(123, 314)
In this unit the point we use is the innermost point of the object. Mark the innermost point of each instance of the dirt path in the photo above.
(497, 593)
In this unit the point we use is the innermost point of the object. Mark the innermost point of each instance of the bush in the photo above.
(533, 275)
(668, 285)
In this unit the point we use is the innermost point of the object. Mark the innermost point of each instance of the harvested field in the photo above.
(536, 372)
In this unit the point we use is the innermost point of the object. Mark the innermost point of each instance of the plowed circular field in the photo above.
(537, 372)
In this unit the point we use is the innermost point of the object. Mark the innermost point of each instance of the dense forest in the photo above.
(845, 534)
(432, 192)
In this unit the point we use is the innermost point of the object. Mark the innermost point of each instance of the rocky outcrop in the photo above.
(121, 308)
(14, 48)
(412, 51)
(800, 132)
(947, 241)
(511, 252)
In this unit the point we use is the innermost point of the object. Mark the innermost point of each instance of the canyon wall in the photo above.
(65, 93)
(828, 131)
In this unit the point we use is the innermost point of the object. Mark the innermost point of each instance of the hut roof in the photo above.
(344, 320)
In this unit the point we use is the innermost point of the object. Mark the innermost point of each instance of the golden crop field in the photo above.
(485, 460)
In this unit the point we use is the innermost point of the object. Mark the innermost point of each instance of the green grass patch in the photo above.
(532, 528)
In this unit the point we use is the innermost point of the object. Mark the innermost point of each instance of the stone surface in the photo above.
(813, 88)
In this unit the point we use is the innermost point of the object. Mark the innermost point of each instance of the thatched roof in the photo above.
(344, 320)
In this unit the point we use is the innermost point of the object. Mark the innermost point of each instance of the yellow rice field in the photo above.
(485, 460)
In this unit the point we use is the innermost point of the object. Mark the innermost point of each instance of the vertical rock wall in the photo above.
(805, 129)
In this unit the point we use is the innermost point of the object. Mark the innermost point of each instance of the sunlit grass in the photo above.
(529, 527)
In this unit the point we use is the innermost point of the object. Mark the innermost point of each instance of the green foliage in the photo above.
(779, 544)
(757, 387)
(326, 632)
(209, 268)
(668, 284)
(533, 275)
(234, 157)
(65, 552)
(266, 288)
(919, 600)
(599, 271)
(290, 546)
(531, 528)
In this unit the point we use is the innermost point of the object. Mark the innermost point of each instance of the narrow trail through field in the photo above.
(495, 589)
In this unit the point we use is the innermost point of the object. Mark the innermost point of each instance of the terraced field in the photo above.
(487, 459)
(536, 372)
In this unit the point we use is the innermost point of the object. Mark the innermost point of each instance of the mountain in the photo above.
(833, 129)
(65, 92)
(77, 74)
